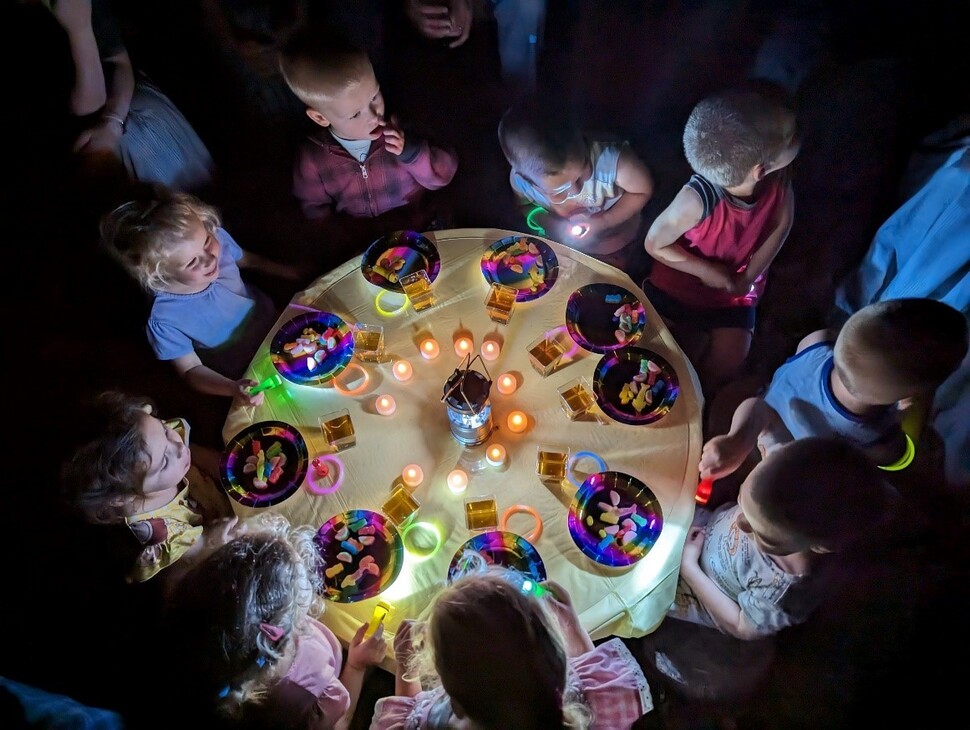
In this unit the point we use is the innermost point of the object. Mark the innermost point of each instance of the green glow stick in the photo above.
(271, 382)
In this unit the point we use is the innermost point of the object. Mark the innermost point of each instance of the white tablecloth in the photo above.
(624, 602)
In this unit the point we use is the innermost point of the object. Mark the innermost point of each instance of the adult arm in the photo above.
(663, 241)
(450, 19)
(88, 93)
(254, 261)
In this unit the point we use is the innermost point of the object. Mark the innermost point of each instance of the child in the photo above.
(495, 655)
(750, 572)
(360, 166)
(204, 318)
(713, 244)
(134, 469)
(886, 355)
(243, 621)
(591, 190)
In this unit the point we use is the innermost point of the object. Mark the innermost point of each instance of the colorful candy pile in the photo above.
(644, 387)
(317, 346)
(266, 466)
(355, 538)
(622, 523)
(389, 266)
(510, 258)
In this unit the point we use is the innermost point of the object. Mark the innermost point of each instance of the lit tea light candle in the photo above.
(495, 455)
(491, 349)
(457, 481)
(463, 346)
(412, 475)
(429, 349)
(518, 421)
(402, 370)
(506, 384)
(385, 404)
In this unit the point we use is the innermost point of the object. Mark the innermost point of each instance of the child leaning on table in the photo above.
(887, 358)
(132, 468)
(494, 655)
(242, 621)
(359, 169)
(204, 318)
(715, 241)
(597, 184)
(751, 568)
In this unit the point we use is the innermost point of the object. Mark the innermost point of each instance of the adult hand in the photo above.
(73, 15)
(718, 277)
(365, 652)
(441, 21)
(721, 455)
(393, 136)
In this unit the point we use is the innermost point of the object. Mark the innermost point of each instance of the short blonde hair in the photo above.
(731, 132)
(318, 66)
(143, 234)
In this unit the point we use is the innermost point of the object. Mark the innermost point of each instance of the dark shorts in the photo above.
(703, 318)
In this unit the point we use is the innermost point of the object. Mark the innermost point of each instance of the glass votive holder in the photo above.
(500, 302)
(338, 429)
(576, 397)
(417, 287)
(551, 463)
(546, 352)
(369, 342)
(481, 513)
(400, 506)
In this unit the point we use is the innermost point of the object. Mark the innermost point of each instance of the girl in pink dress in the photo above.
(498, 651)
(243, 625)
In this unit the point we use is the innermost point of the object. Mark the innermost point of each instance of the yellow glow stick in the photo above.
(381, 610)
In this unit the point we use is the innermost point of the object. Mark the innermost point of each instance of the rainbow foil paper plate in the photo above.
(499, 548)
(264, 464)
(614, 518)
(392, 257)
(362, 555)
(312, 348)
(604, 317)
(635, 386)
(523, 263)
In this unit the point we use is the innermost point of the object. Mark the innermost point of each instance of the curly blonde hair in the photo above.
(143, 234)
(483, 629)
(268, 575)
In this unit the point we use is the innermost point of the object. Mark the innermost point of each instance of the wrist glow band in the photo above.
(389, 312)
(536, 532)
(336, 472)
(530, 222)
(571, 464)
(352, 391)
(416, 531)
(906, 459)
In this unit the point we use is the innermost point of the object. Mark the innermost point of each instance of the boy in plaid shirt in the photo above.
(359, 170)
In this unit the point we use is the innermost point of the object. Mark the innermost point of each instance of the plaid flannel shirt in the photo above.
(327, 180)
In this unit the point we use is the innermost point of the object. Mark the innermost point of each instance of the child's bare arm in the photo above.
(361, 654)
(633, 177)
(766, 253)
(206, 380)
(722, 455)
(683, 213)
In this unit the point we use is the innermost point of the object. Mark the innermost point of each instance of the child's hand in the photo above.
(393, 137)
(722, 455)
(404, 641)
(690, 558)
(362, 652)
(218, 532)
(242, 392)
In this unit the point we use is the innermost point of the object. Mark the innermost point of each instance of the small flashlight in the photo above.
(578, 226)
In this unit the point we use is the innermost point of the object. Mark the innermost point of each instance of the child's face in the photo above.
(169, 458)
(194, 264)
(769, 538)
(356, 112)
(566, 184)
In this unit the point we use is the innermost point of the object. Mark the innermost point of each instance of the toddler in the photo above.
(591, 190)
(359, 166)
(887, 357)
(494, 655)
(751, 571)
(243, 622)
(713, 244)
(204, 318)
(132, 468)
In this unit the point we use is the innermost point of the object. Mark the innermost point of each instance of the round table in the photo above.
(664, 454)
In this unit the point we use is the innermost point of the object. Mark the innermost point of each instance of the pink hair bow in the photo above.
(271, 632)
